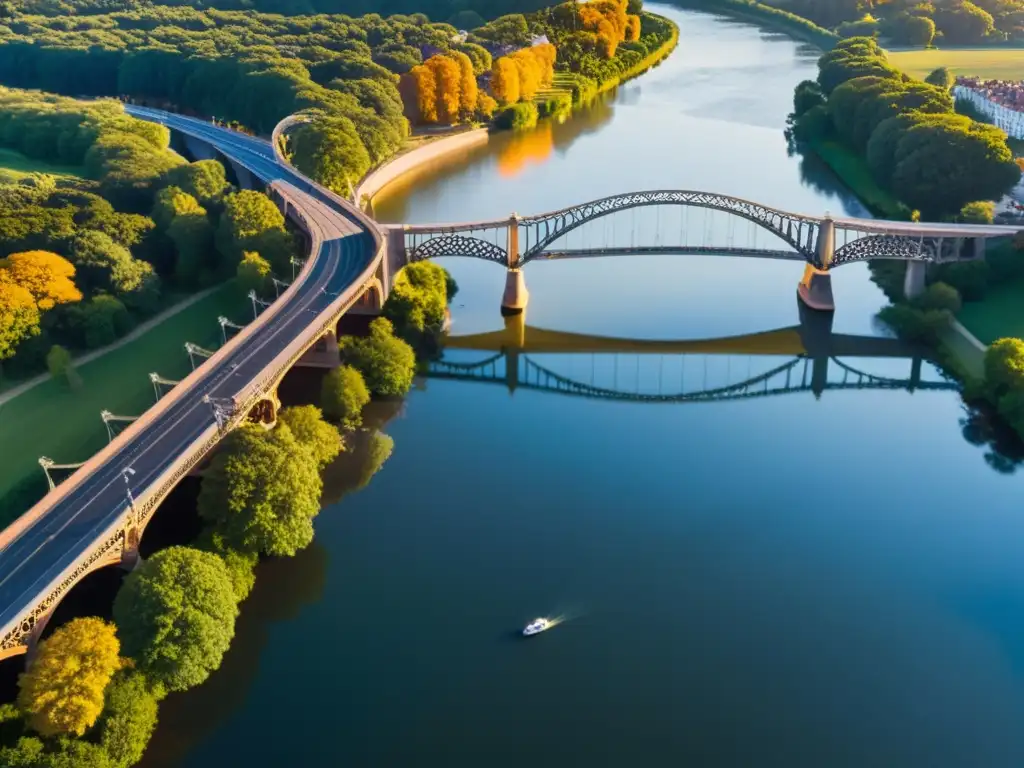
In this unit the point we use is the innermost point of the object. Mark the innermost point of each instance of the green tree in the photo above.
(1004, 367)
(128, 720)
(192, 236)
(387, 364)
(331, 151)
(262, 492)
(939, 296)
(344, 395)
(62, 367)
(172, 202)
(941, 78)
(975, 164)
(62, 692)
(204, 180)
(253, 274)
(175, 616)
(251, 222)
(978, 212)
(307, 424)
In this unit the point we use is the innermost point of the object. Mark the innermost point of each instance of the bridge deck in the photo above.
(49, 546)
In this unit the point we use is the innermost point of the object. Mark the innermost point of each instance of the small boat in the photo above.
(537, 626)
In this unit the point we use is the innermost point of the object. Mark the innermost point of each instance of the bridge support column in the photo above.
(979, 248)
(815, 289)
(245, 178)
(516, 297)
(199, 149)
(913, 283)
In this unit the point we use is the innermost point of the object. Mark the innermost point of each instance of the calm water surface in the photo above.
(776, 581)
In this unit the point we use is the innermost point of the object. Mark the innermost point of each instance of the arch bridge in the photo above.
(821, 242)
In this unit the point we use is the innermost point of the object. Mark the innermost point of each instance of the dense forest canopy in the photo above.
(916, 22)
(465, 13)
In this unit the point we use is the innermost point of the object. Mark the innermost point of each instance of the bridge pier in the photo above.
(199, 149)
(515, 297)
(815, 289)
(914, 281)
(323, 354)
(245, 177)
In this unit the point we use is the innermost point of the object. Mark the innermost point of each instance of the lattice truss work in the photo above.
(538, 232)
(855, 245)
(489, 240)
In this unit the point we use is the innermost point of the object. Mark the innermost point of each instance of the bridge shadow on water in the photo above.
(808, 357)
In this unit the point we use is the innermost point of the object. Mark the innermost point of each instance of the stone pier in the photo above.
(914, 281)
(516, 297)
(815, 287)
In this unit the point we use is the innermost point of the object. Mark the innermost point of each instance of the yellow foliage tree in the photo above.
(45, 275)
(19, 315)
(633, 29)
(530, 73)
(421, 87)
(485, 105)
(546, 54)
(62, 692)
(469, 93)
(505, 81)
(449, 87)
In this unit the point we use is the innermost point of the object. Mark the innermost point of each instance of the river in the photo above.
(799, 579)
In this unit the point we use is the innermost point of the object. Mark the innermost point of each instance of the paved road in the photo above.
(61, 536)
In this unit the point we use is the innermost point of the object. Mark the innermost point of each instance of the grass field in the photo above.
(990, 63)
(52, 420)
(14, 166)
(854, 173)
(1000, 314)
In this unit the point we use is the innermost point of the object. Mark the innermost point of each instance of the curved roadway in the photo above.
(57, 538)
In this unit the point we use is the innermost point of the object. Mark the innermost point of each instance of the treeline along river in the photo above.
(786, 580)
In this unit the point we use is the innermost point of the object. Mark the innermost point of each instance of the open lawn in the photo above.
(991, 63)
(853, 171)
(1000, 314)
(14, 166)
(52, 420)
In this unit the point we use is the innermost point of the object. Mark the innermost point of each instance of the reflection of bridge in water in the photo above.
(816, 364)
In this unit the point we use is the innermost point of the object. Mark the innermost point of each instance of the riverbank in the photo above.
(784, 21)
(420, 160)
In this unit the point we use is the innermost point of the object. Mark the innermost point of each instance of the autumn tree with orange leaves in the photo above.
(518, 76)
(45, 275)
(419, 94)
(443, 90)
(449, 78)
(505, 81)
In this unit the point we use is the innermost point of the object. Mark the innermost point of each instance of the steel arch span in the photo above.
(455, 244)
(800, 232)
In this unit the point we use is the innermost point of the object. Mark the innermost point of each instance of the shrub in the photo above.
(387, 363)
(1004, 367)
(128, 720)
(979, 212)
(970, 278)
(343, 396)
(518, 117)
(939, 296)
(915, 324)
